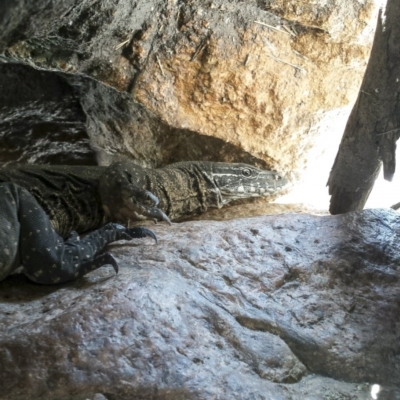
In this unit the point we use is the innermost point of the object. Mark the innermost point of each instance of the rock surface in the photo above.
(274, 307)
(164, 81)
(41, 120)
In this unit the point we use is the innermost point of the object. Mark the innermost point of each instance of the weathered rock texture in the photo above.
(163, 81)
(279, 307)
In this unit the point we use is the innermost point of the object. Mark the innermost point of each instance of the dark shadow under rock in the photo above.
(41, 120)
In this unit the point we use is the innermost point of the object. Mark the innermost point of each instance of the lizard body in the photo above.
(42, 204)
(83, 198)
(69, 195)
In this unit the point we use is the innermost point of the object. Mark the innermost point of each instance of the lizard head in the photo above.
(238, 181)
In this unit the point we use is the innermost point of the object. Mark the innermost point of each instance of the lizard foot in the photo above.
(123, 196)
(135, 232)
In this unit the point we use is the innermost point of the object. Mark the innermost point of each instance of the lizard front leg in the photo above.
(123, 196)
(107, 258)
(46, 257)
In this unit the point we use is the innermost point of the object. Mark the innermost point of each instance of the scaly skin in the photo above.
(68, 194)
(39, 203)
(130, 192)
(83, 198)
(28, 239)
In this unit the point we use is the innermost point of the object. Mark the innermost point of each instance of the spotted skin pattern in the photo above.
(181, 190)
(83, 198)
(28, 239)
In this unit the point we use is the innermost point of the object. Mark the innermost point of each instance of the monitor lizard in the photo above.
(181, 189)
(44, 207)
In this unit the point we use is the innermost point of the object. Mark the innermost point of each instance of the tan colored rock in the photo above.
(257, 87)
(205, 80)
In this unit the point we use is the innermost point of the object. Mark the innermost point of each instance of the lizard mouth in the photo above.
(230, 190)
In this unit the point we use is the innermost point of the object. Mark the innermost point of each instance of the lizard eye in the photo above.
(246, 172)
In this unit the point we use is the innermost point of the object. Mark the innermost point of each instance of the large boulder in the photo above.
(256, 81)
(274, 307)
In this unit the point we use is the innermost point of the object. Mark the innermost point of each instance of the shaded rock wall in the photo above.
(207, 74)
(279, 307)
(41, 118)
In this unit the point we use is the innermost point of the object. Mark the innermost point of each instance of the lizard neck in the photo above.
(184, 189)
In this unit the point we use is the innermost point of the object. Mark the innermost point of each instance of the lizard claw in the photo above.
(156, 215)
(150, 212)
(107, 258)
(163, 217)
(152, 197)
(138, 232)
(148, 232)
(146, 195)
